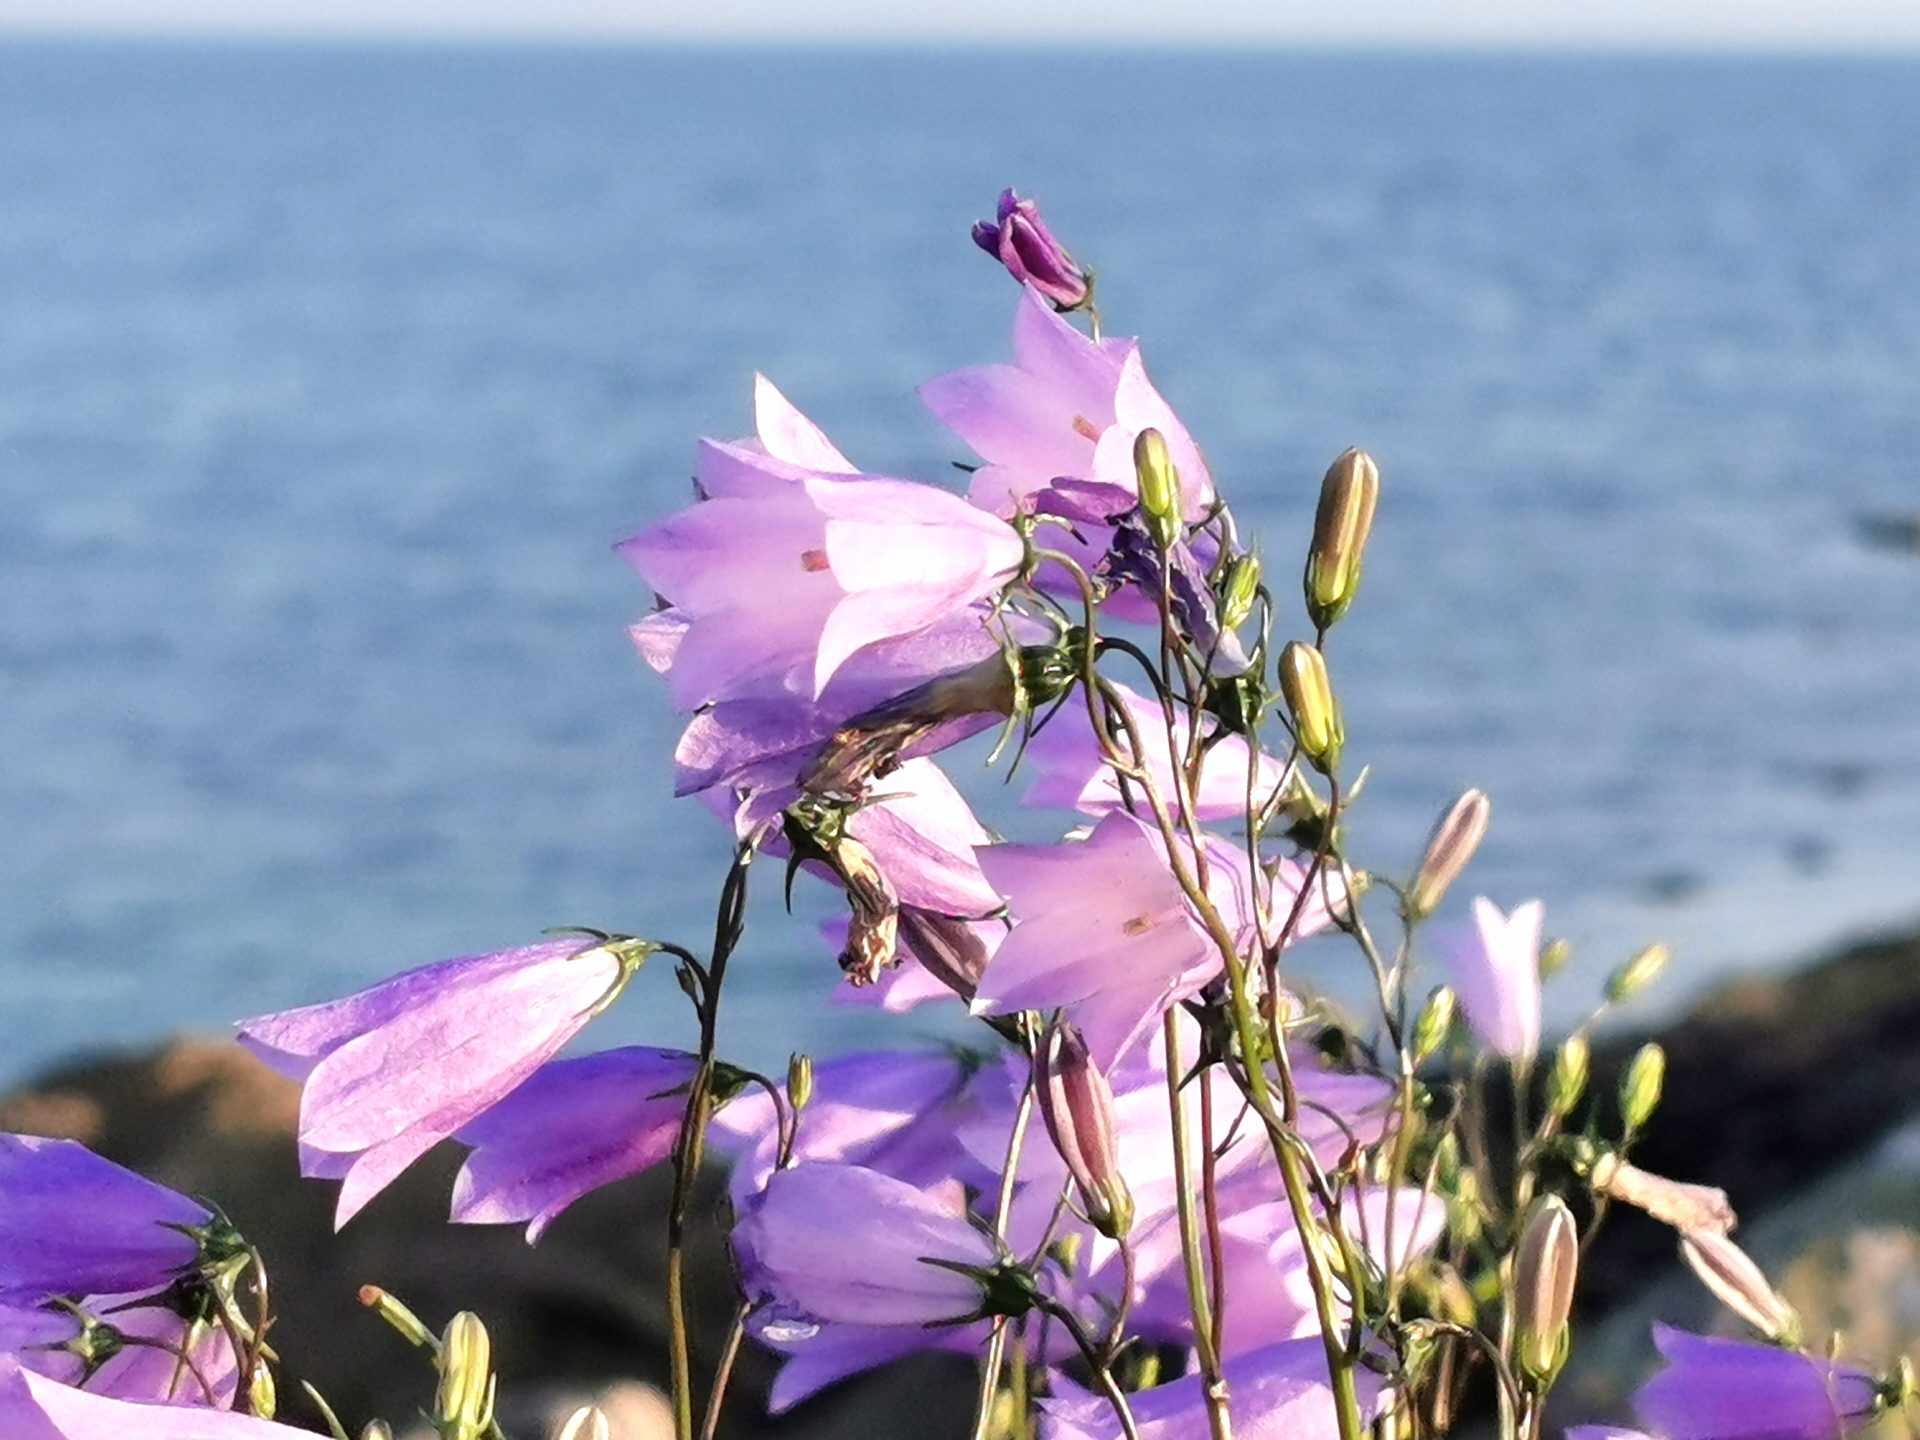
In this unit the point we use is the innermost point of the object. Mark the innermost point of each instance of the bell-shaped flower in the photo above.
(1072, 771)
(1069, 407)
(781, 572)
(395, 1069)
(1727, 1390)
(573, 1127)
(1495, 969)
(131, 1348)
(792, 1243)
(72, 1222)
(34, 1407)
(1282, 1390)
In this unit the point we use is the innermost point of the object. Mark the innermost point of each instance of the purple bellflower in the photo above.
(1729, 1390)
(72, 1222)
(136, 1350)
(33, 1407)
(573, 1127)
(1495, 968)
(395, 1069)
(1019, 239)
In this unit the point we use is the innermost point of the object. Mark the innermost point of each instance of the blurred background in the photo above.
(339, 344)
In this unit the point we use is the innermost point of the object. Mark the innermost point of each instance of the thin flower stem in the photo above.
(1102, 1373)
(1205, 1334)
(723, 1374)
(997, 1339)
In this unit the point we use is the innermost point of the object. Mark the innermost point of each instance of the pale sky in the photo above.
(1861, 25)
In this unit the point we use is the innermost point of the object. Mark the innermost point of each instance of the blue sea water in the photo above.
(329, 376)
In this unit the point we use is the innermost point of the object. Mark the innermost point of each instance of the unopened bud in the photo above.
(799, 1081)
(1316, 714)
(376, 1430)
(1554, 956)
(1464, 1219)
(1729, 1272)
(1640, 1086)
(1636, 974)
(1446, 1162)
(1077, 1105)
(1687, 1208)
(1239, 589)
(951, 950)
(1430, 1031)
(1449, 848)
(589, 1422)
(1545, 1267)
(1159, 487)
(1568, 1082)
(1348, 495)
(389, 1309)
(463, 1408)
(263, 1396)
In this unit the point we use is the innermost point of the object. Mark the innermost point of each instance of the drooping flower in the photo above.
(1726, 1390)
(1067, 410)
(73, 1222)
(796, 1260)
(574, 1126)
(33, 1407)
(1019, 239)
(781, 571)
(393, 1070)
(1282, 1390)
(1495, 968)
(131, 1348)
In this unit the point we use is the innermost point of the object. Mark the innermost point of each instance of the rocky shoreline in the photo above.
(1775, 1086)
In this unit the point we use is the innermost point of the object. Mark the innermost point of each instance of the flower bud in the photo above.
(1640, 1086)
(799, 1081)
(1568, 1082)
(263, 1396)
(1449, 848)
(949, 949)
(1239, 589)
(1685, 1207)
(1554, 956)
(589, 1422)
(1316, 714)
(1729, 1272)
(376, 1430)
(1430, 1031)
(1545, 1267)
(1077, 1105)
(1021, 241)
(463, 1408)
(389, 1309)
(1348, 495)
(1636, 974)
(1159, 487)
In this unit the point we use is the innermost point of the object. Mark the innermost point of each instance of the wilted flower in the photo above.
(1076, 1103)
(1729, 1272)
(1673, 1202)
(72, 1222)
(395, 1069)
(1726, 1390)
(1495, 968)
(573, 1127)
(792, 1242)
(1020, 240)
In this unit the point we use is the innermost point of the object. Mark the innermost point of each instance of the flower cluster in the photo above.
(1172, 1193)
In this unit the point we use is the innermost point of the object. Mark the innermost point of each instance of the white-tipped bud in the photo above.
(1568, 1082)
(1159, 487)
(1316, 714)
(463, 1408)
(1636, 974)
(1430, 1031)
(1449, 848)
(377, 1430)
(1672, 1202)
(1729, 1272)
(1341, 525)
(589, 1422)
(1545, 1268)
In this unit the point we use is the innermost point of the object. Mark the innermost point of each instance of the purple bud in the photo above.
(1021, 241)
(1077, 1105)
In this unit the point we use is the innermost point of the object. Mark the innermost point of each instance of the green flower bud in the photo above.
(263, 1397)
(1568, 1082)
(1640, 1086)
(1238, 591)
(463, 1408)
(1636, 974)
(1348, 495)
(1554, 956)
(1430, 1031)
(1451, 846)
(799, 1081)
(1159, 487)
(1316, 714)
(1545, 1267)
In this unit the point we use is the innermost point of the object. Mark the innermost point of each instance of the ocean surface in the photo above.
(328, 377)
